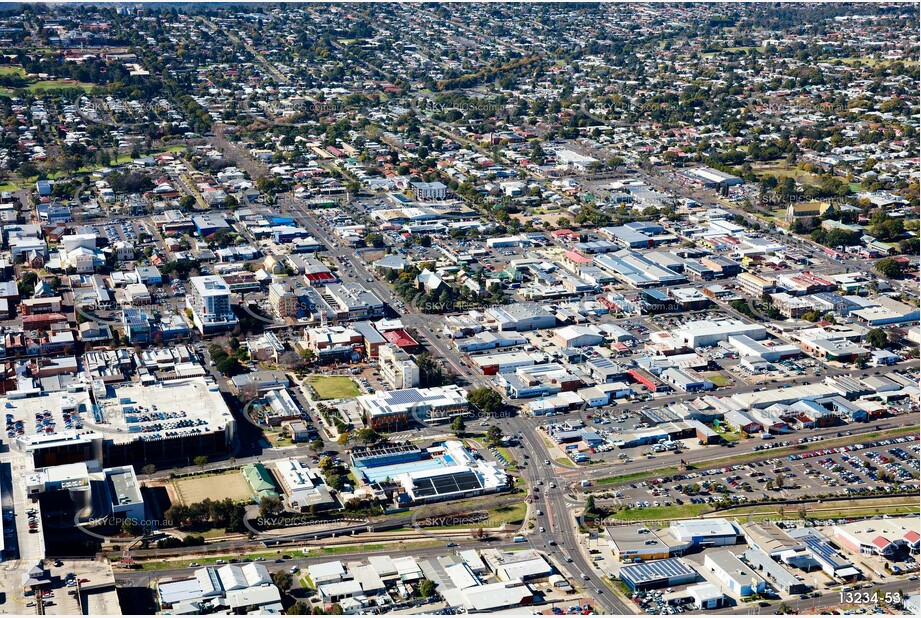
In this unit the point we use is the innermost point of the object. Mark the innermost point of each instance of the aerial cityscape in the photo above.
(458, 308)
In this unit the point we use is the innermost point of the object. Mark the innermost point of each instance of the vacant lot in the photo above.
(334, 387)
(215, 486)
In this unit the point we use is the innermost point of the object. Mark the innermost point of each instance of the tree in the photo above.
(270, 506)
(366, 435)
(201, 461)
(298, 609)
(148, 469)
(485, 400)
(426, 588)
(308, 355)
(778, 481)
(877, 338)
(889, 268)
(128, 526)
(493, 435)
(457, 424)
(590, 505)
(283, 579)
(317, 445)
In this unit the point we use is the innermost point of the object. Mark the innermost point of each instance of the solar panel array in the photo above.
(822, 550)
(648, 572)
(441, 485)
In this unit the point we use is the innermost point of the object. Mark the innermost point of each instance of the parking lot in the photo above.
(882, 466)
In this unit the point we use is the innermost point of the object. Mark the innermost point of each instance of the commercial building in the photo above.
(887, 311)
(820, 551)
(260, 481)
(637, 270)
(303, 486)
(738, 576)
(96, 493)
(753, 285)
(209, 301)
(577, 337)
(880, 537)
(373, 339)
(351, 301)
(231, 588)
(658, 574)
(283, 300)
(394, 410)
(513, 566)
(706, 532)
(262, 381)
(398, 368)
(429, 191)
(632, 542)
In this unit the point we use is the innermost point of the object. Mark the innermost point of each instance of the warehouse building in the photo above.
(658, 574)
(706, 532)
(521, 317)
(707, 333)
(781, 578)
(832, 563)
(738, 576)
(706, 596)
(709, 178)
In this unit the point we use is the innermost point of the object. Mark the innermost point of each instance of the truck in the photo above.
(519, 539)
(767, 436)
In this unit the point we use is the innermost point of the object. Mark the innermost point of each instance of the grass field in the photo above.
(215, 486)
(783, 170)
(718, 379)
(59, 84)
(49, 85)
(12, 71)
(334, 387)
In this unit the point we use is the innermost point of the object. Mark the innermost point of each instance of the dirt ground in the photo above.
(216, 486)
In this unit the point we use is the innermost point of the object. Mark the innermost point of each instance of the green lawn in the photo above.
(334, 387)
(12, 71)
(718, 379)
(682, 511)
(508, 514)
(512, 463)
(626, 478)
